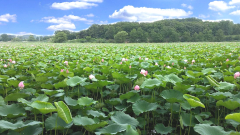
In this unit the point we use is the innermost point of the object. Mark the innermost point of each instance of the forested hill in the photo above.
(170, 30)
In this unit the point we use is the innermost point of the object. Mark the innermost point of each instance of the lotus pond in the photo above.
(123, 89)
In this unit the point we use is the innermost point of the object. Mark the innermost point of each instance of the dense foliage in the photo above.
(169, 30)
(123, 89)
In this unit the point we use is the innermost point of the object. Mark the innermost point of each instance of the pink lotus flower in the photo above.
(156, 64)
(21, 85)
(227, 60)
(10, 60)
(139, 58)
(126, 60)
(130, 66)
(193, 61)
(123, 59)
(136, 87)
(146, 58)
(66, 62)
(172, 63)
(185, 68)
(121, 63)
(102, 60)
(13, 62)
(62, 70)
(236, 75)
(185, 61)
(67, 71)
(5, 65)
(144, 72)
(91, 77)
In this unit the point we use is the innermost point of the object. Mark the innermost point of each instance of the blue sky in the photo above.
(43, 17)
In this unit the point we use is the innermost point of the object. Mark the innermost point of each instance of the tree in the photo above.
(155, 37)
(31, 38)
(109, 34)
(219, 35)
(186, 36)
(60, 37)
(16, 39)
(4, 37)
(121, 36)
(133, 36)
(195, 37)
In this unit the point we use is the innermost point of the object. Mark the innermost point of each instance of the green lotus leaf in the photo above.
(41, 97)
(185, 117)
(130, 131)
(41, 79)
(220, 95)
(93, 127)
(225, 86)
(161, 129)
(6, 125)
(2, 101)
(70, 101)
(198, 117)
(83, 121)
(95, 113)
(172, 96)
(234, 133)
(76, 80)
(193, 101)
(212, 81)
(128, 95)
(103, 83)
(114, 101)
(11, 111)
(208, 71)
(86, 101)
(151, 83)
(111, 129)
(55, 122)
(63, 111)
(15, 96)
(134, 98)
(32, 130)
(88, 69)
(172, 78)
(43, 107)
(144, 65)
(142, 106)
(124, 119)
(14, 83)
(62, 84)
(234, 116)
(229, 104)
(206, 129)
(51, 92)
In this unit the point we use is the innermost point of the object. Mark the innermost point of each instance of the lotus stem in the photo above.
(190, 122)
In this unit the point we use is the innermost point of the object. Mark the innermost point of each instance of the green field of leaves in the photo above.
(123, 89)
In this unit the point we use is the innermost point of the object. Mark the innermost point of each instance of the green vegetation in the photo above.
(123, 89)
(169, 30)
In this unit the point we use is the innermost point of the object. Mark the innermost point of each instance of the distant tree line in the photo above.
(14, 38)
(169, 30)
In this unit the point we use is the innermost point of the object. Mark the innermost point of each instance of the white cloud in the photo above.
(203, 16)
(144, 14)
(90, 15)
(187, 6)
(190, 7)
(184, 5)
(98, 1)
(63, 23)
(219, 6)
(103, 22)
(67, 26)
(217, 20)
(72, 5)
(64, 19)
(8, 18)
(232, 2)
(237, 12)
